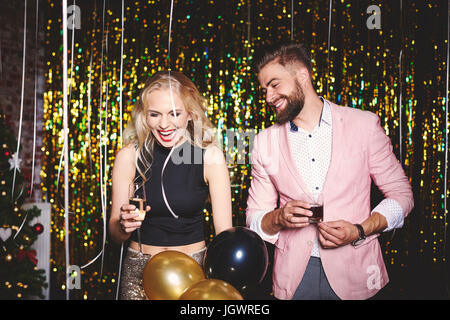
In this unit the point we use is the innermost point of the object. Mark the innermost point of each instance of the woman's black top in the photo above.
(186, 193)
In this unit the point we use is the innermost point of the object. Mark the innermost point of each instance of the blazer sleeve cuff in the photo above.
(255, 225)
(393, 213)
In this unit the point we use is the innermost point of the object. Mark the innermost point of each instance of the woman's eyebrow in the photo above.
(171, 110)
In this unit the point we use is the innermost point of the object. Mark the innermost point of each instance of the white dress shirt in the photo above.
(311, 152)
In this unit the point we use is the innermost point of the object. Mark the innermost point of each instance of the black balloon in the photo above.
(238, 256)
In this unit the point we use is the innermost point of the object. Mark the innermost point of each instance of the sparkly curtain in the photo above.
(213, 43)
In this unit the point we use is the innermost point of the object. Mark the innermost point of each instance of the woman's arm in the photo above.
(122, 175)
(217, 177)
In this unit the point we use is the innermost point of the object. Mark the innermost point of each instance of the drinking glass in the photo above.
(137, 197)
(316, 208)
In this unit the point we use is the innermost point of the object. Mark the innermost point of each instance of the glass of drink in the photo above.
(137, 197)
(316, 208)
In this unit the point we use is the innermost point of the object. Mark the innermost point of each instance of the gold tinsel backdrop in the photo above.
(398, 72)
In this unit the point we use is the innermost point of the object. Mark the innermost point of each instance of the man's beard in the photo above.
(294, 105)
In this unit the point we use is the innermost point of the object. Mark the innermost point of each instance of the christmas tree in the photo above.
(19, 276)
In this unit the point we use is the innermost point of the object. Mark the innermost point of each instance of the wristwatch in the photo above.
(362, 235)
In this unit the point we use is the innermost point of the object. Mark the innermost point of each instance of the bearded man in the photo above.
(318, 149)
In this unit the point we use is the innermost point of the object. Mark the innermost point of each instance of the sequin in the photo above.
(131, 287)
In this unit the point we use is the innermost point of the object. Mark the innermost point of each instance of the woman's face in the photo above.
(166, 126)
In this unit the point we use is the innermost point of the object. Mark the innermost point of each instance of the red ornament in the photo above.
(38, 228)
(30, 254)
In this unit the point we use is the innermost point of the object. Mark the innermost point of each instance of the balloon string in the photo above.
(162, 184)
(21, 113)
(106, 173)
(92, 261)
(121, 139)
(121, 75)
(65, 151)
(35, 108)
(120, 271)
(21, 96)
(102, 150)
(65, 147)
(70, 93)
(71, 60)
(35, 99)
(89, 114)
(21, 226)
(173, 110)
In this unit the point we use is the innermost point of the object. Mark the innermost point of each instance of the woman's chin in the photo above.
(169, 143)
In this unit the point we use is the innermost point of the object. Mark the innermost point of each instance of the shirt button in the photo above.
(310, 243)
(317, 188)
(310, 136)
(313, 159)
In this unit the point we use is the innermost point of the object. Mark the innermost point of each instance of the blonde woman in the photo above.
(168, 119)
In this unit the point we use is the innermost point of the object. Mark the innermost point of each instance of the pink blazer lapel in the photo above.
(338, 134)
(287, 156)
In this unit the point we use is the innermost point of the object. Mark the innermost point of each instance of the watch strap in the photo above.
(362, 235)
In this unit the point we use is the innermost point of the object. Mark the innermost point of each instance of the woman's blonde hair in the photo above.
(199, 131)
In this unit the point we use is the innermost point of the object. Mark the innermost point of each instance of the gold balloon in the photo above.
(169, 273)
(211, 289)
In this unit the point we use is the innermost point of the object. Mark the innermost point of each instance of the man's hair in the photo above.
(284, 54)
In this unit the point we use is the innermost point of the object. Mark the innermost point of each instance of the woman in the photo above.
(168, 119)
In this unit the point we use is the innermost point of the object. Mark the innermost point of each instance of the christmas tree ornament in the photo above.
(5, 234)
(38, 228)
(14, 162)
(29, 254)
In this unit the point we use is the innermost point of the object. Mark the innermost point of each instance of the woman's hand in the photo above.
(129, 218)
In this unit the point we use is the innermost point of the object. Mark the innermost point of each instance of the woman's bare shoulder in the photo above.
(126, 156)
(214, 155)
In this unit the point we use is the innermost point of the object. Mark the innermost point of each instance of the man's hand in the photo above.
(334, 234)
(294, 214)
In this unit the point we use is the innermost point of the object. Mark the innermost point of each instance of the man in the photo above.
(319, 147)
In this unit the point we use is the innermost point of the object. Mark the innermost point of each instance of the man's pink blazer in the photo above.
(361, 151)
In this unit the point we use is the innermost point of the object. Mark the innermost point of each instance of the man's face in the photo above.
(283, 91)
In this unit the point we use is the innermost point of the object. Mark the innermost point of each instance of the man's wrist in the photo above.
(376, 223)
(270, 223)
(355, 233)
(361, 235)
(277, 214)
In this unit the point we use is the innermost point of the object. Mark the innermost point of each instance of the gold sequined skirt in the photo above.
(131, 287)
